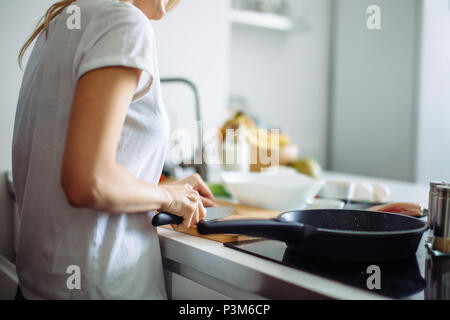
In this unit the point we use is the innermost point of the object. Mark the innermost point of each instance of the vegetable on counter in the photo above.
(218, 190)
(405, 208)
(308, 166)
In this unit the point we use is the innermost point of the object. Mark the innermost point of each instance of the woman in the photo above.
(88, 149)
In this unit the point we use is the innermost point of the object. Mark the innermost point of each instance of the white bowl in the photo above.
(276, 191)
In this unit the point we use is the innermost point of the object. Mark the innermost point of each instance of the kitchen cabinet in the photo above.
(206, 266)
(182, 288)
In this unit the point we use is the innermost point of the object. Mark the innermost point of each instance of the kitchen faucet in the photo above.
(199, 168)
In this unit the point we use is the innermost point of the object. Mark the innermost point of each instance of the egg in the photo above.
(364, 191)
(381, 192)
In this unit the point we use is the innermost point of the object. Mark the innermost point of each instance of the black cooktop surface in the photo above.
(421, 277)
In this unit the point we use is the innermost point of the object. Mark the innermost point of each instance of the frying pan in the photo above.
(340, 234)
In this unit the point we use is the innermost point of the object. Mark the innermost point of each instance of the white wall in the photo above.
(284, 76)
(374, 91)
(17, 20)
(434, 116)
(193, 42)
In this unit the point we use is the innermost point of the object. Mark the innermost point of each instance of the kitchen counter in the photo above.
(205, 269)
(197, 268)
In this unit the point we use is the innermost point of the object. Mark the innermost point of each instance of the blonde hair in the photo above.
(44, 24)
(54, 11)
(171, 4)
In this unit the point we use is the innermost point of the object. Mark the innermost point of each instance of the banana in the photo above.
(257, 137)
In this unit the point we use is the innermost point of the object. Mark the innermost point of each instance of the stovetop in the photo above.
(421, 277)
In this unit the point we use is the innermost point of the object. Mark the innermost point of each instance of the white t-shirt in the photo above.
(118, 255)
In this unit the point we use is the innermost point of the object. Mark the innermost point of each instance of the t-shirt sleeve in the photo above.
(120, 36)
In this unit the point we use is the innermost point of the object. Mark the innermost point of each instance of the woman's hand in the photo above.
(200, 186)
(184, 202)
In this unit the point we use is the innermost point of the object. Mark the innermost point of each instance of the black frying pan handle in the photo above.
(291, 232)
(163, 218)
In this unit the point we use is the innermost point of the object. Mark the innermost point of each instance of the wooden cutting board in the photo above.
(240, 212)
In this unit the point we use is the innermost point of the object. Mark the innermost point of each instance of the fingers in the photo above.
(203, 189)
(208, 203)
(201, 186)
(202, 212)
(197, 211)
(188, 216)
(198, 184)
(188, 204)
(196, 215)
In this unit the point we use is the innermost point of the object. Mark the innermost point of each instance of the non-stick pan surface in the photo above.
(344, 235)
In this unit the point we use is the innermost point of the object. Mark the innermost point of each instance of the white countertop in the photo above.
(400, 191)
(243, 276)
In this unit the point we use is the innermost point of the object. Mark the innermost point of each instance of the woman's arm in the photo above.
(91, 177)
